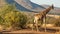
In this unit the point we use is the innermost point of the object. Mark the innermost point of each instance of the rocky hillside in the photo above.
(26, 5)
(2, 3)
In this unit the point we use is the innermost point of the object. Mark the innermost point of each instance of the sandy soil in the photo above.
(29, 32)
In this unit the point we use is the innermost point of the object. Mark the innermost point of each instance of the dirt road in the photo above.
(27, 32)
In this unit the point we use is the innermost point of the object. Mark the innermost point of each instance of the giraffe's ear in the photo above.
(52, 6)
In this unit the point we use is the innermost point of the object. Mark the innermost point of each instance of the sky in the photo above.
(56, 3)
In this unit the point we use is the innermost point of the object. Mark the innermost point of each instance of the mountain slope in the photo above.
(2, 3)
(30, 5)
(26, 5)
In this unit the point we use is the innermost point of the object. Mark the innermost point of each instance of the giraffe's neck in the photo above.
(44, 12)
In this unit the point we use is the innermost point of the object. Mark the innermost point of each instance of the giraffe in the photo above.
(41, 15)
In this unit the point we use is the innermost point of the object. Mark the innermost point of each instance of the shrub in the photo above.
(11, 17)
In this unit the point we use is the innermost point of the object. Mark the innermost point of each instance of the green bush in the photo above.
(11, 17)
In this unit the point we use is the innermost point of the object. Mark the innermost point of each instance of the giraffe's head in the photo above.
(52, 6)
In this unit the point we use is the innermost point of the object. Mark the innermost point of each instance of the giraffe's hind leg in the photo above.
(33, 26)
(37, 26)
